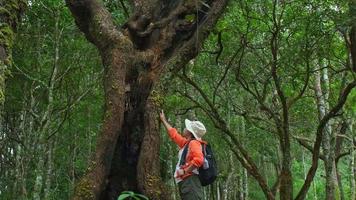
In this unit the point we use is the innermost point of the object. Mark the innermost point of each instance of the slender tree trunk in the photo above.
(49, 171)
(352, 33)
(18, 178)
(352, 49)
(339, 143)
(242, 184)
(286, 178)
(44, 147)
(330, 138)
(340, 185)
(353, 163)
(281, 119)
(353, 176)
(24, 127)
(245, 184)
(326, 139)
(244, 170)
(304, 168)
(322, 96)
(227, 185)
(37, 189)
(73, 149)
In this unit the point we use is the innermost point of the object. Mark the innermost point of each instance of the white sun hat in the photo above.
(196, 128)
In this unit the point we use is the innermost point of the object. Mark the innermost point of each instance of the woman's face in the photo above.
(187, 134)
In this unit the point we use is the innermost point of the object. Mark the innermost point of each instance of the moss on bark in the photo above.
(10, 12)
(84, 190)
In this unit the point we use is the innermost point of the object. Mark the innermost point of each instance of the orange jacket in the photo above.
(194, 156)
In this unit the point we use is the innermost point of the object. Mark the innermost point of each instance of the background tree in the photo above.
(45, 98)
(276, 101)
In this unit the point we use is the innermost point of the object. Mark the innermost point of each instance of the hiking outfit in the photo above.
(189, 184)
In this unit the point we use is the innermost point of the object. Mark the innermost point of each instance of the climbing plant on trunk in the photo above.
(159, 36)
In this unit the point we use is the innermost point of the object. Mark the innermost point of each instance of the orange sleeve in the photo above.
(195, 154)
(176, 137)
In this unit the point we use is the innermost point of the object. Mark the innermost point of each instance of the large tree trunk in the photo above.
(156, 37)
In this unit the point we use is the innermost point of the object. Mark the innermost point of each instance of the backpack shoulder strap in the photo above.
(203, 147)
(184, 154)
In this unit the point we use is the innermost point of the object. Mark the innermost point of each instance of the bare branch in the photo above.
(219, 50)
(301, 93)
(304, 143)
(352, 34)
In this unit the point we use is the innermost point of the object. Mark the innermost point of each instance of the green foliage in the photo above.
(310, 38)
(76, 113)
(190, 18)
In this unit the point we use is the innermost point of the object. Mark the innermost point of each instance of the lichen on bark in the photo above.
(84, 190)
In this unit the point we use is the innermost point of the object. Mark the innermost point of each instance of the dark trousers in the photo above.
(191, 189)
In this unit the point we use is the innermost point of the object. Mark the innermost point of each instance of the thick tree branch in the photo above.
(95, 21)
(191, 48)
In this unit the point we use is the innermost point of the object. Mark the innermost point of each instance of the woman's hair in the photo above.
(190, 133)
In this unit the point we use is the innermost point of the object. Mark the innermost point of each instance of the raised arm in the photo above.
(172, 132)
(164, 121)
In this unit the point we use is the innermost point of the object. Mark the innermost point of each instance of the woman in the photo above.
(186, 176)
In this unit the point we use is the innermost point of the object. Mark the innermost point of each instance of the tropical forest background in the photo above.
(273, 83)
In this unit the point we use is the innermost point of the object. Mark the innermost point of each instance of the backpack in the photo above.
(208, 171)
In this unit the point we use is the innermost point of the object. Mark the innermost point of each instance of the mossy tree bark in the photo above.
(158, 37)
(10, 14)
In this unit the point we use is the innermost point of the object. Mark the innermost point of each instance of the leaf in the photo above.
(190, 17)
(142, 196)
(124, 196)
(128, 192)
